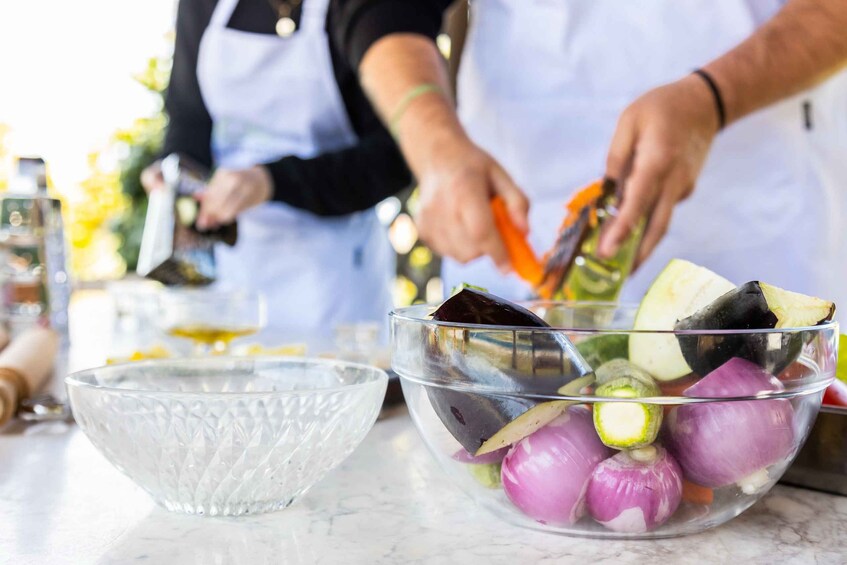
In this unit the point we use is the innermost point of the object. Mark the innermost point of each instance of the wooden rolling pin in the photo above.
(25, 366)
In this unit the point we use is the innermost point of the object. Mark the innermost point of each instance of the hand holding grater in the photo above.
(173, 251)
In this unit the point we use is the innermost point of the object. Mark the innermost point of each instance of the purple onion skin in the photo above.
(720, 443)
(463, 456)
(629, 496)
(546, 474)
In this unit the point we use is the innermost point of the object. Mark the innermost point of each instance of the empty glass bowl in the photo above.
(227, 436)
(558, 429)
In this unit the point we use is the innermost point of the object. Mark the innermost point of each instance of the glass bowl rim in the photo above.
(816, 387)
(376, 376)
(406, 315)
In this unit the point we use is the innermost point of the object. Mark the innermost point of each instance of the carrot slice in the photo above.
(521, 255)
(697, 494)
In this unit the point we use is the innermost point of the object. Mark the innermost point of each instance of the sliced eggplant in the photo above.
(509, 363)
(681, 289)
(752, 306)
(535, 418)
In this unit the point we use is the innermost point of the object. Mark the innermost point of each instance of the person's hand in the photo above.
(454, 217)
(151, 177)
(230, 192)
(658, 149)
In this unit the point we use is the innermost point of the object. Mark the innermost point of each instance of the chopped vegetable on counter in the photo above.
(835, 394)
(635, 491)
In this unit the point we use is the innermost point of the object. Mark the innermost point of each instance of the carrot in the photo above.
(585, 196)
(696, 494)
(521, 255)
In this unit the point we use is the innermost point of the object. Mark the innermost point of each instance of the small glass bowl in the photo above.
(225, 436)
(463, 383)
(211, 318)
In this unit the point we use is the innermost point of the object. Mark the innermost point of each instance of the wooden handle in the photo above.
(31, 356)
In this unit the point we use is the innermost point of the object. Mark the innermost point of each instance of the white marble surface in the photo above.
(62, 502)
(388, 503)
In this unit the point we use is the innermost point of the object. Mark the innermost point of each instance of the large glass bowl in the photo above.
(463, 382)
(227, 436)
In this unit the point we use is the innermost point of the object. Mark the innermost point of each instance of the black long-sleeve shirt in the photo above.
(358, 24)
(333, 183)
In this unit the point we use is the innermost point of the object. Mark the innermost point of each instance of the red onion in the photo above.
(635, 491)
(546, 474)
(721, 443)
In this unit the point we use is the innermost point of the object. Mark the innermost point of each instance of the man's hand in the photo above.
(230, 192)
(457, 179)
(658, 149)
(455, 217)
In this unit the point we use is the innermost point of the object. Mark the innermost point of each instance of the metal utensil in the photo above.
(44, 408)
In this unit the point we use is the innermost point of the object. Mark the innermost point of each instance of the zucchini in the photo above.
(599, 349)
(626, 425)
(681, 289)
(753, 305)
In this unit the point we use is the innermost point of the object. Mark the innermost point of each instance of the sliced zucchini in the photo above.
(599, 349)
(626, 425)
(681, 289)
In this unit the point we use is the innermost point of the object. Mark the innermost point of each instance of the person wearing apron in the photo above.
(282, 118)
(543, 83)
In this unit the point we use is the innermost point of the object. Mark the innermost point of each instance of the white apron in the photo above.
(270, 97)
(541, 86)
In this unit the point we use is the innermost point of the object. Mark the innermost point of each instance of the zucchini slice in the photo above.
(680, 290)
(626, 425)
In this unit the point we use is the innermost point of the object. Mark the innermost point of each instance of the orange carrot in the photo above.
(521, 255)
(585, 196)
(696, 494)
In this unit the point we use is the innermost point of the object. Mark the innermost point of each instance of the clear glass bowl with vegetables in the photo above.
(641, 421)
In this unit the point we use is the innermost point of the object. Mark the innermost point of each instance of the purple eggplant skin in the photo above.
(473, 306)
(742, 308)
(510, 362)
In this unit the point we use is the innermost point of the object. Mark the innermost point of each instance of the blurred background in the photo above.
(87, 98)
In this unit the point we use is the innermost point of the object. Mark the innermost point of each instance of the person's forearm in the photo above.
(802, 45)
(392, 68)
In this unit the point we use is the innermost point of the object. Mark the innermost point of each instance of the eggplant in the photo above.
(753, 305)
(509, 363)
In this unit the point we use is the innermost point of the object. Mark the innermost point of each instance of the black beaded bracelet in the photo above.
(717, 95)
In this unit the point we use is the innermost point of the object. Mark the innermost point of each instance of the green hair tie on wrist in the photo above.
(406, 101)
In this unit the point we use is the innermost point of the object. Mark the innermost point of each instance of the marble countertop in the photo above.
(62, 502)
(388, 503)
